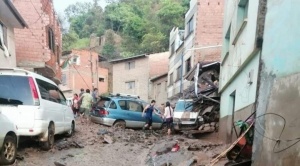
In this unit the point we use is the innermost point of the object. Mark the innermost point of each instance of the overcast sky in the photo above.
(61, 5)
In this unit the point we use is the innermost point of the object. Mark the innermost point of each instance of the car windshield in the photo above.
(183, 106)
(15, 90)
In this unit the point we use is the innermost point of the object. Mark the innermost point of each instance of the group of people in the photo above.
(167, 116)
(82, 103)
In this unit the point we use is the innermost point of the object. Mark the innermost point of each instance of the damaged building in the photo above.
(200, 102)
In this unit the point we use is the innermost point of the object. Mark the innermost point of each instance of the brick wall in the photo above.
(208, 31)
(32, 47)
(82, 77)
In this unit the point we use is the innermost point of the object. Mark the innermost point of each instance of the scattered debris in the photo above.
(58, 164)
(108, 139)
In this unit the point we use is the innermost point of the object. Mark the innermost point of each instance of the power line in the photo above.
(40, 15)
(81, 76)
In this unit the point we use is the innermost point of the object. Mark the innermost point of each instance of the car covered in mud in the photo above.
(185, 116)
(122, 112)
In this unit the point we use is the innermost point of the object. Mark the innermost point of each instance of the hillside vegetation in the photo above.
(130, 27)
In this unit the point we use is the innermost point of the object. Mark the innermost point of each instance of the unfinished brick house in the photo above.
(38, 47)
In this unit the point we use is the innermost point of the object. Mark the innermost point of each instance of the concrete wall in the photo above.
(245, 45)
(9, 61)
(238, 98)
(159, 90)
(140, 74)
(240, 63)
(158, 64)
(279, 86)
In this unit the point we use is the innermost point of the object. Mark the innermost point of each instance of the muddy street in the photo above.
(95, 144)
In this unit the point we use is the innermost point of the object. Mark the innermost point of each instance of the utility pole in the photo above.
(91, 61)
(97, 68)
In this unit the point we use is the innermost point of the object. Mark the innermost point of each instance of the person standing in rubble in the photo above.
(86, 105)
(149, 109)
(168, 116)
(95, 95)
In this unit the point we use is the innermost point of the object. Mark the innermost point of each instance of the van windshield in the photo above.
(183, 106)
(15, 90)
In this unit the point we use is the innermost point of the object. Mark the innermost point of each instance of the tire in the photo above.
(50, 139)
(70, 133)
(120, 124)
(8, 152)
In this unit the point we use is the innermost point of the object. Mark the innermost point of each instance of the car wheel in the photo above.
(71, 131)
(120, 125)
(50, 139)
(8, 152)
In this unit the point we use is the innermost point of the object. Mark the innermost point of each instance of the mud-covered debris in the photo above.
(166, 164)
(108, 139)
(58, 164)
(77, 145)
(103, 132)
(191, 162)
(19, 157)
(167, 148)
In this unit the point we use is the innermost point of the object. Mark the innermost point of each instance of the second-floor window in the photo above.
(51, 40)
(172, 48)
(242, 13)
(178, 73)
(130, 85)
(188, 65)
(171, 79)
(190, 26)
(130, 65)
(3, 35)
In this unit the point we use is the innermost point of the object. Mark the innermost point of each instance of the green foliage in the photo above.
(144, 26)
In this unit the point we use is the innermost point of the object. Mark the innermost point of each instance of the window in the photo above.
(158, 86)
(122, 104)
(64, 79)
(50, 92)
(134, 106)
(227, 40)
(190, 26)
(130, 85)
(130, 65)
(178, 73)
(3, 35)
(166, 85)
(101, 79)
(188, 65)
(172, 48)
(242, 13)
(76, 60)
(58, 56)
(51, 40)
(15, 90)
(113, 105)
(171, 79)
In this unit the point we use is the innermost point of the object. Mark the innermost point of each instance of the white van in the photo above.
(36, 105)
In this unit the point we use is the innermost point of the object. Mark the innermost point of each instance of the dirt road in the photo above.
(95, 145)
